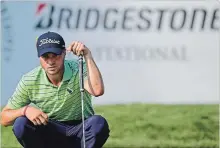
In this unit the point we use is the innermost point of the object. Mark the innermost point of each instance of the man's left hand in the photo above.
(78, 48)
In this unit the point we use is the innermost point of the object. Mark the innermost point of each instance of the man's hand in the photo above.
(36, 116)
(94, 84)
(78, 48)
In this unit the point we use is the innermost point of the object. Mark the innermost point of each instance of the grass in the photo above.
(150, 126)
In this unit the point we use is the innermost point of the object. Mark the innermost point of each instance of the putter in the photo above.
(82, 93)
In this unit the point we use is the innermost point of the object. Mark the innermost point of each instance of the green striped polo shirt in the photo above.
(61, 103)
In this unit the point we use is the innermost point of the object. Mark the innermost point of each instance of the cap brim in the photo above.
(57, 51)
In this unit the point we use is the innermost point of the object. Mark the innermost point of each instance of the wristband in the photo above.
(24, 111)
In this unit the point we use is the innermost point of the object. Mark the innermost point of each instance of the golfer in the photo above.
(45, 109)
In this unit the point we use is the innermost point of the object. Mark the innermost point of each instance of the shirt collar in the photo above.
(67, 72)
(45, 79)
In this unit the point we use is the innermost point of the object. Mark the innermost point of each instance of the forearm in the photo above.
(95, 81)
(8, 116)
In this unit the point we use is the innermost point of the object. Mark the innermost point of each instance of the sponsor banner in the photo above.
(147, 51)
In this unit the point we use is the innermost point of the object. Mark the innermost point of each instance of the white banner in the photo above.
(147, 51)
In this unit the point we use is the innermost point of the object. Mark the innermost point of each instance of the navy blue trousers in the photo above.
(61, 134)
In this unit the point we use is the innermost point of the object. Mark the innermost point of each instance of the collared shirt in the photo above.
(61, 103)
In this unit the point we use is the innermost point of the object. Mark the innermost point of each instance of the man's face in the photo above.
(52, 63)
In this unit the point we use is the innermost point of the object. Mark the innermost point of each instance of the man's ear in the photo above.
(64, 52)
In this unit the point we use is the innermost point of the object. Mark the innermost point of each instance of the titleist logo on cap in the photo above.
(45, 41)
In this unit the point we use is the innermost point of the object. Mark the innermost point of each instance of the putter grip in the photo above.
(81, 72)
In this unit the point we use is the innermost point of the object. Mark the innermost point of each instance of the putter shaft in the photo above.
(82, 95)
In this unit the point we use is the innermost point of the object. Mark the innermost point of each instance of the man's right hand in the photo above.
(36, 116)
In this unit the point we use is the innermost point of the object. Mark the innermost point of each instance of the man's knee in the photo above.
(20, 126)
(99, 125)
